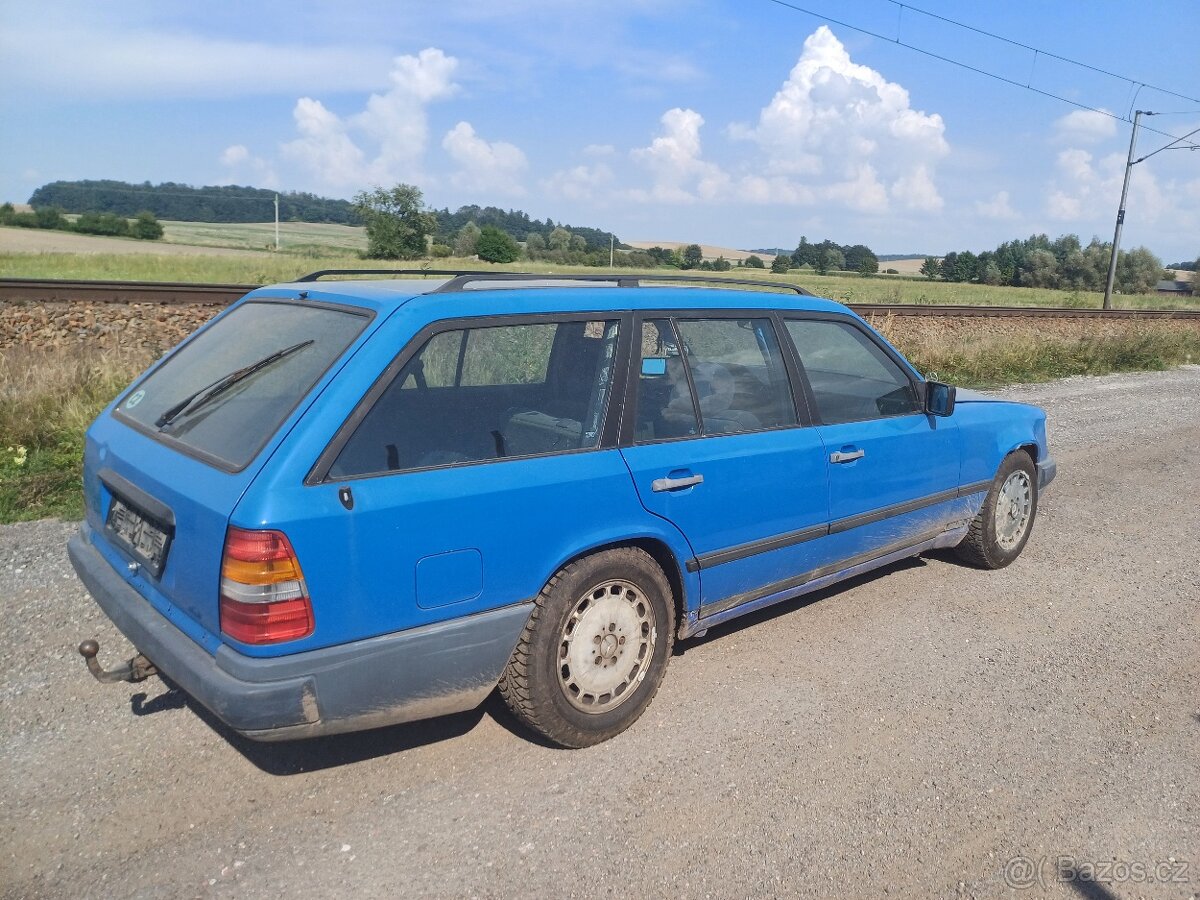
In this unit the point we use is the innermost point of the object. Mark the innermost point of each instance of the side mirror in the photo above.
(939, 398)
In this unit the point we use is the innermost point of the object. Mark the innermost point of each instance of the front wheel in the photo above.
(999, 532)
(594, 650)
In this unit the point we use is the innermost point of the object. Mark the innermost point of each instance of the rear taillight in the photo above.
(263, 596)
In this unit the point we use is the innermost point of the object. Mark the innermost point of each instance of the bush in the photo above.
(496, 246)
(102, 223)
(754, 262)
(440, 251)
(50, 217)
(146, 227)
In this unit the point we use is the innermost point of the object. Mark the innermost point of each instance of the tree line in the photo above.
(184, 203)
(144, 226)
(1037, 261)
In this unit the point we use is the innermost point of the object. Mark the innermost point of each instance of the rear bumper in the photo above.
(416, 674)
(1047, 469)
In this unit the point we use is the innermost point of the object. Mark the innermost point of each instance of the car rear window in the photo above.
(244, 375)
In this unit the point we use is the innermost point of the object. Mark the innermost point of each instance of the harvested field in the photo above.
(37, 240)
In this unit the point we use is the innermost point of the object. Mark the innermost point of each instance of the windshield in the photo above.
(216, 394)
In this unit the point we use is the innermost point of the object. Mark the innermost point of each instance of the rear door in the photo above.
(716, 445)
(893, 470)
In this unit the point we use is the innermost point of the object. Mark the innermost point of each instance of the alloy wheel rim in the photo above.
(606, 646)
(1013, 506)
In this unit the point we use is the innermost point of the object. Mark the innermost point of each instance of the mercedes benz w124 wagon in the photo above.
(344, 504)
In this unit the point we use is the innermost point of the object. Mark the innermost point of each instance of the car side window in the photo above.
(488, 393)
(851, 377)
(738, 373)
(664, 404)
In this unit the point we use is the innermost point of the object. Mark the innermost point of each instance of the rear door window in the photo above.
(496, 392)
(226, 392)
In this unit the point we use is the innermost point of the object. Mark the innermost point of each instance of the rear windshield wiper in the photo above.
(221, 385)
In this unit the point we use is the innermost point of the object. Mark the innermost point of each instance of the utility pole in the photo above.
(612, 243)
(277, 221)
(1112, 262)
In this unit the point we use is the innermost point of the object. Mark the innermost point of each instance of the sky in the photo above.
(740, 124)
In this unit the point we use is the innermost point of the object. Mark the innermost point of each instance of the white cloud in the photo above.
(395, 122)
(234, 155)
(834, 120)
(599, 150)
(580, 183)
(1086, 126)
(673, 160)
(1086, 190)
(238, 159)
(484, 166)
(916, 190)
(998, 207)
(84, 50)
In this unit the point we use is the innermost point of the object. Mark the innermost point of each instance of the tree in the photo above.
(692, 256)
(559, 239)
(721, 264)
(754, 262)
(496, 246)
(398, 224)
(781, 264)
(1138, 271)
(467, 240)
(931, 269)
(146, 227)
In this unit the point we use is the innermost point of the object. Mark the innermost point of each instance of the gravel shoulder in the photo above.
(907, 733)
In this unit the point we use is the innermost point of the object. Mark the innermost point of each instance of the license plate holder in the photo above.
(138, 534)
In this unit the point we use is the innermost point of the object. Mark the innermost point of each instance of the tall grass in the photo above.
(992, 360)
(47, 400)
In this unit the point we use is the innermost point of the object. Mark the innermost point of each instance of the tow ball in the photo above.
(137, 669)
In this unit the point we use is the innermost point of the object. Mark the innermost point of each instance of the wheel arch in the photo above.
(663, 555)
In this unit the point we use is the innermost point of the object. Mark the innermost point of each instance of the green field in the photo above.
(306, 247)
(294, 237)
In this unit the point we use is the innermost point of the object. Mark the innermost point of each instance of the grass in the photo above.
(994, 360)
(47, 399)
(336, 246)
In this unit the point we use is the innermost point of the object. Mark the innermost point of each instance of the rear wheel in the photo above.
(999, 532)
(594, 650)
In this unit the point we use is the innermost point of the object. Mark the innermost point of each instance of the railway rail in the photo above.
(44, 290)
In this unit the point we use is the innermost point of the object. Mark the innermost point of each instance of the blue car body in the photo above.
(421, 580)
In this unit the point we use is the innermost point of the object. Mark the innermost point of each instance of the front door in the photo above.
(893, 470)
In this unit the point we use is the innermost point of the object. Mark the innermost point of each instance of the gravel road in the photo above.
(909, 733)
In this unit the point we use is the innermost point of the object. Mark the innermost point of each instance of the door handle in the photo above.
(843, 456)
(675, 484)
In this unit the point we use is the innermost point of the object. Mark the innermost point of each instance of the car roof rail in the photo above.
(460, 279)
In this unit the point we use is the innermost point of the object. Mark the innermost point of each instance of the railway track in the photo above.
(43, 290)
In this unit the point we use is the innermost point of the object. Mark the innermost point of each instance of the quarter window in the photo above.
(852, 378)
(489, 393)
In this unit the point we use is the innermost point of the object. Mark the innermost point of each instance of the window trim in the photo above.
(319, 472)
(797, 388)
(217, 462)
(916, 383)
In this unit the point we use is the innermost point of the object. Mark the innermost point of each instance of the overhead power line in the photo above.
(1040, 52)
(1028, 86)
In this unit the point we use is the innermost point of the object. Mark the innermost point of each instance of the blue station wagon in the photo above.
(351, 503)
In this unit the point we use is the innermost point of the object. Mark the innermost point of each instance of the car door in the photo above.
(893, 470)
(716, 445)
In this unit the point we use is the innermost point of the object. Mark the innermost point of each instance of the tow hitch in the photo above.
(137, 669)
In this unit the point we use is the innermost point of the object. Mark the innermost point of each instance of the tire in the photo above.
(999, 532)
(594, 650)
